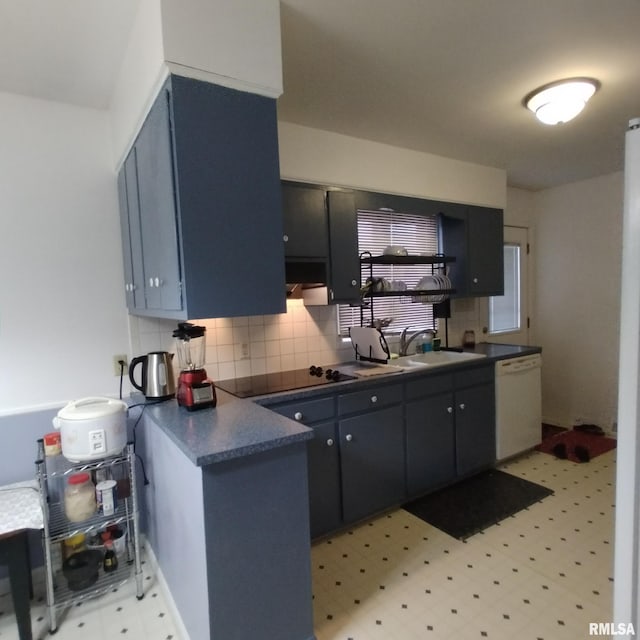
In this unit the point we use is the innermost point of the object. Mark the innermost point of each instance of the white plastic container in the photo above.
(106, 497)
(92, 428)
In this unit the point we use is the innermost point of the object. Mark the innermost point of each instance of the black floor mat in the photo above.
(476, 503)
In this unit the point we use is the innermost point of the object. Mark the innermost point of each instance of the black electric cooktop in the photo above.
(282, 381)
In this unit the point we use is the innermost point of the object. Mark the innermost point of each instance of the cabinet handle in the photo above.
(158, 282)
(449, 409)
(354, 283)
(374, 399)
(151, 282)
(298, 416)
(462, 406)
(285, 238)
(330, 442)
(475, 281)
(348, 437)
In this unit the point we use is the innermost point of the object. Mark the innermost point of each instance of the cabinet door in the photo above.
(372, 462)
(324, 480)
(431, 459)
(304, 221)
(344, 281)
(475, 238)
(485, 251)
(156, 187)
(230, 200)
(475, 428)
(130, 230)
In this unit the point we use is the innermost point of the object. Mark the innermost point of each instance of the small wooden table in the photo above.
(20, 511)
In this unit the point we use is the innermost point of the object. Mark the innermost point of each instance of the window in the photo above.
(504, 311)
(377, 230)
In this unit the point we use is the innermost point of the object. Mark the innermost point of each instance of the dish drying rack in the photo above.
(436, 261)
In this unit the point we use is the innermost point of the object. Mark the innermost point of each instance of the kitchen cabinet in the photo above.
(474, 410)
(372, 458)
(323, 461)
(474, 235)
(130, 230)
(321, 242)
(344, 265)
(306, 229)
(450, 422)
(380, 443)
(355, 462)
(431, 436)
(201, 206)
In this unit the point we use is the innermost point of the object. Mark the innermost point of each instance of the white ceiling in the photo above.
(442, 76)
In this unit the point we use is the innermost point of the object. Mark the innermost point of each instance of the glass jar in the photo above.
(79, 497)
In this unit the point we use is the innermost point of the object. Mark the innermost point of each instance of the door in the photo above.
(323, 461)
(305, 222)
(430, 443)
(158, 222)
(131, 234)
(475, 428)
(372, 462)
(344, 260)
(506, 317)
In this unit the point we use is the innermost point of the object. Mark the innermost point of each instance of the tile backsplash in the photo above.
(238, 347)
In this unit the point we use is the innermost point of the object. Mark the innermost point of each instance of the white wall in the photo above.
(62, 313)
(311, 155)
(235, 43)
(142, 73)
(579, 240)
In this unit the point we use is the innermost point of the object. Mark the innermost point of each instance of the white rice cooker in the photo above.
(92, 428)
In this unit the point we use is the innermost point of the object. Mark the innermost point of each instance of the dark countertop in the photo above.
(238, 428)
(234, 429)
(503, 351)
(493, 353)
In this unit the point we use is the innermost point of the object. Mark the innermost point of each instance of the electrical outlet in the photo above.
(116, 365)
(244, 350)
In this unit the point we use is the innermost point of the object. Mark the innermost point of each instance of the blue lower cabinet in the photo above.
(323, 459)
(475, 429)
(372, 462)
(431, 443)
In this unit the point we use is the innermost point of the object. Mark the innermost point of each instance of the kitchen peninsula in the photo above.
(226, 514)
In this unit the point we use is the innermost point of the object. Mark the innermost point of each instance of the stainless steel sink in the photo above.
(436, 359)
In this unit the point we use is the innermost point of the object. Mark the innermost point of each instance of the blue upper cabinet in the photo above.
(474, 235)
(203, 217)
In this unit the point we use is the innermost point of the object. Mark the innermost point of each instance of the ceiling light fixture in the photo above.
(561, 101)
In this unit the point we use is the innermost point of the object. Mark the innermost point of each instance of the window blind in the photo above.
(419, 235)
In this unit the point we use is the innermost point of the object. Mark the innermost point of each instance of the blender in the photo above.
(195, 390)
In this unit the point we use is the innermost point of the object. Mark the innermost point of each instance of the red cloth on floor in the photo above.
(595, 445)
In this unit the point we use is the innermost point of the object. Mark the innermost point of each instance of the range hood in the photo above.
(303, 275)
(307, 271)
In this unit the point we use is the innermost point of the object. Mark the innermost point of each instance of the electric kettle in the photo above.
(158, 382)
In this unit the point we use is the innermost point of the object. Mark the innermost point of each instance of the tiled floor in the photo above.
(118, 614)
(544, 573)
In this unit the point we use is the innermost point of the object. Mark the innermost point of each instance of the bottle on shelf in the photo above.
(110, 562)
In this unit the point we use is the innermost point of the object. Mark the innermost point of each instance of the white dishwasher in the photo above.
(518, 405)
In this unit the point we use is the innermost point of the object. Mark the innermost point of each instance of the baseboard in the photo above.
(155, 567)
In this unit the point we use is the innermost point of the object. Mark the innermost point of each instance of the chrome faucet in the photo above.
(405, 342)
